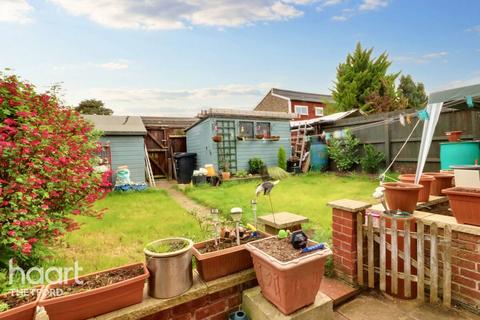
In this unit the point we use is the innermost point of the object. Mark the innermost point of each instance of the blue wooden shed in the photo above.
(126, 137)
(244, 135)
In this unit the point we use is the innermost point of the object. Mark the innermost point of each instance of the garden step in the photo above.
(259, 308)
(337, 290)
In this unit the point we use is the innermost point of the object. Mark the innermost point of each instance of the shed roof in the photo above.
(242, 114)
(168, 122)
(118, 125)
(456, 97)
(302, 96)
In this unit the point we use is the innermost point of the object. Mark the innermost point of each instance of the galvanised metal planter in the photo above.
(290, 285)
(170, 272)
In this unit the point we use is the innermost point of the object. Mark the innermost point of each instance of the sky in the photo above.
(177, 57)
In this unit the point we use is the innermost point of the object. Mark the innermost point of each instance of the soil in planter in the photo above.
(281, 249)
(168, 246)
(13, 300)
(225, 244)
(97, 281)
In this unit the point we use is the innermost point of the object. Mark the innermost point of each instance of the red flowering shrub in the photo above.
(47, 159)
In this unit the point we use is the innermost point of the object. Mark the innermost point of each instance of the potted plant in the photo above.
(465, 204)
(221, 256)
(288, 277)
(217, 138)
(19, 305)
(402, 196)
(95, 293)
(454, 136)
(169, 262)
(442, 181)
(425, 181)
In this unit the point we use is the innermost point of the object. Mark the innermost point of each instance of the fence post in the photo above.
(344, 237)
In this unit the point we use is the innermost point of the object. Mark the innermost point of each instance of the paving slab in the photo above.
(373, 305)
(337, 290)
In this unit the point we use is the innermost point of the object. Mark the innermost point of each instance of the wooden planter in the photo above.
(23, 312)
(217, 264)
(289, 285)
(91, 303)
(465, 204)
(402, 196)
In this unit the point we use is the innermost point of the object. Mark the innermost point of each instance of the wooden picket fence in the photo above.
(427, 275)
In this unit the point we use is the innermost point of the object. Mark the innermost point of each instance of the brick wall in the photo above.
(311, 109)
(214, 306)
(466, 269)
(272, 103)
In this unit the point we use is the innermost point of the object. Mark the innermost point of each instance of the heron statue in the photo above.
(266, 188)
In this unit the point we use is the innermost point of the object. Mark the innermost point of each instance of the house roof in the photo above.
(118, 125)
(168, 122)
(242, 114)
(302, 96)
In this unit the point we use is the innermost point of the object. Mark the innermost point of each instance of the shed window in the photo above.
(245, 129)
(263, 128)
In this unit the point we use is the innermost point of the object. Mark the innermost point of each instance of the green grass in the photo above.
(306, 195)
(131, 221)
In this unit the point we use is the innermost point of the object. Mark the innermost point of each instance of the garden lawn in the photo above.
(132, 220)
(306, 195)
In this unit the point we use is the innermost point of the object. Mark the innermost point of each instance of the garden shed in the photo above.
(243, 134)
(125, 137)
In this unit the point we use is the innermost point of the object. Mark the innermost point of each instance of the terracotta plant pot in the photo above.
(217, 139)
(465, 204)
(259, 136)
(91, 303)
(425, 181)
(442, 181)
(275, 138)
(226, 175)
(217, 264)
(22, 312)
(289, 285)
(402, 196)
(454, 136)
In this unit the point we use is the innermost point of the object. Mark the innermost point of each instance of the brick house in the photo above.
(304, 105)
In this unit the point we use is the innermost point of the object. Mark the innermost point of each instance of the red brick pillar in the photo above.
(344, 237)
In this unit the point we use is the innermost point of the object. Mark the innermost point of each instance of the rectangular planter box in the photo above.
(24, 312)
(290, 285)
(214, 265)
(465, 205)
(91, 303)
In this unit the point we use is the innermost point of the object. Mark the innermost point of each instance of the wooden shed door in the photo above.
(227, 148)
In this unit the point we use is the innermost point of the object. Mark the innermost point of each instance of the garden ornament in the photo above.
(236, 214)
(299, 239)
(379, 195)
(216, 220)
(266, 187)
(254, 210)
(282, 234)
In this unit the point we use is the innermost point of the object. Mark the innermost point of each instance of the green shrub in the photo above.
(277, 173)
(282, 158)
(344, 152)
(254, 165)
(372, 159)
(241, 173)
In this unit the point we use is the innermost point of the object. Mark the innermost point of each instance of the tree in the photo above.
(93, 106)
(47, 159)
(362, 80)
(282, 158)
(413, 93)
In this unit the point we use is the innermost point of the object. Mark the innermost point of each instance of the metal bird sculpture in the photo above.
(266, 187)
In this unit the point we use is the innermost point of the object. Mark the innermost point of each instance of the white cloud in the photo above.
(475, 79)
(368, 5)
(15, 11)
(422, 59)
(177, 14)
(328, 3)
(188, 102)
(474, 29)
(114, 65)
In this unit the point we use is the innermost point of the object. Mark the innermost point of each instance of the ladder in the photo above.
(300, 144)
(148, 169)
